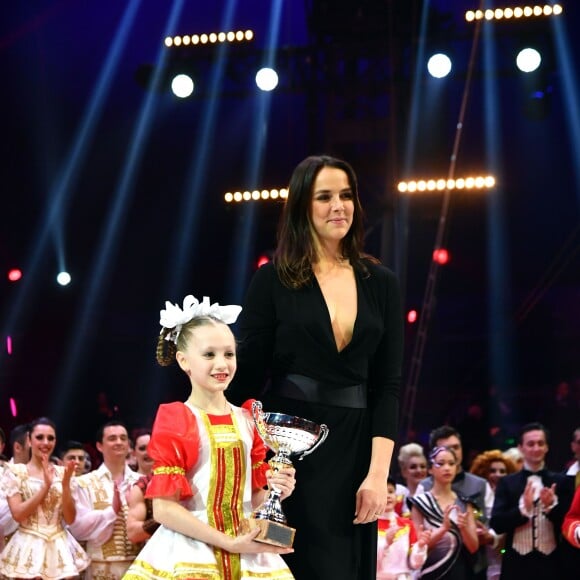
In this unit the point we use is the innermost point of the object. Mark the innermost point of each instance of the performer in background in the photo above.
(529, 508)
(41, 497)
(324, 323)
(101, 519)
(453, 539)
(401, 551)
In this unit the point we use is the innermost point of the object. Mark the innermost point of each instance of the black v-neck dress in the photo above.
(285, 332)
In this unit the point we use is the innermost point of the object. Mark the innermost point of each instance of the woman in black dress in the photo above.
(321, 328)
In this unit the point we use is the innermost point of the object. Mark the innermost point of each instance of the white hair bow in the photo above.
(174, 317)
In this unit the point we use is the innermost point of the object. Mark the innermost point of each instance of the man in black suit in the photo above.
(529, 507)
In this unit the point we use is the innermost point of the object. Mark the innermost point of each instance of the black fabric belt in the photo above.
(307, 389)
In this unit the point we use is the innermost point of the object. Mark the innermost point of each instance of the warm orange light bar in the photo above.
(211, 38)
(514, 13)
(255, 195)
(430, 185)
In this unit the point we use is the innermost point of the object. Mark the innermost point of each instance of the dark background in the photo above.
(122, 183)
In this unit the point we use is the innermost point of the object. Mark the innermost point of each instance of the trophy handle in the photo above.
(258, 417)
(323, 435)
(257, 410)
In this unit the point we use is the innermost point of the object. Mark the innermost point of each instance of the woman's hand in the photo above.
(47, 470)
(246, 544)
(371, 499)
(447, 516)
(69, 470)
(461, 519)
(283, 481)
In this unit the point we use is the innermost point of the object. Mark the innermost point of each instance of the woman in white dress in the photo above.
(40, 497)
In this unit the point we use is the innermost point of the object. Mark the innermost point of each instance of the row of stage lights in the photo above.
(63, 278)
(439, 65)
(527, 60)
(478, 182)
(211, 38)
(183, 86)
(461, 183)
(256, 195)
(518, 12)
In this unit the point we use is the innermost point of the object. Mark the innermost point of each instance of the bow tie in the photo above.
(541, 473)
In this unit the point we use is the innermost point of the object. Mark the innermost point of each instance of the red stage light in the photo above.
(13, 408)
(412, 316)
(14, 275)
(441, 256)
(263, 259)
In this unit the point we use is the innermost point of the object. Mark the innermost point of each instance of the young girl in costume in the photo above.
(209, 471)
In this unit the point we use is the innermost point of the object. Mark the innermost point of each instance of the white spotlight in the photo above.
(528, 60)
(63, 278)
(267, 79)
(439, 65)
(182, 86)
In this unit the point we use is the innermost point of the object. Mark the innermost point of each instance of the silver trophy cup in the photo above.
(287, 436)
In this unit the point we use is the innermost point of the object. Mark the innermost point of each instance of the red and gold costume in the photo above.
(212, 463)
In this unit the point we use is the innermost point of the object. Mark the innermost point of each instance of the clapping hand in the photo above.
(390, 534)
(461, 519)
(547, 495)
(529, 496)
(69, 470)
(116, 504)
(424, 537)
(483, 534)
(447, 516)
(47, 470)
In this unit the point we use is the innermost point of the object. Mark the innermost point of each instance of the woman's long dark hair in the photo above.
(296, 253)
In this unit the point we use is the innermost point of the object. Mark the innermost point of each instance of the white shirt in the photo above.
(97, 523)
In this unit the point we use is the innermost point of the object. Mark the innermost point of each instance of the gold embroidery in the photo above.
(166, 470)
(225, 499)
(118, 545)
(182, 571)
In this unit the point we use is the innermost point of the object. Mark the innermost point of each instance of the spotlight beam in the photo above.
(189, 213)
(60, 194)
(499, 274)
(571, 100)
(245, 232)
(104, 257)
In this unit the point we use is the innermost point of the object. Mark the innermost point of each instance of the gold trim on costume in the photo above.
(166, 470)
(227, 456)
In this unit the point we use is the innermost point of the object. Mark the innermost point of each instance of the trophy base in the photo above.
(270, 532)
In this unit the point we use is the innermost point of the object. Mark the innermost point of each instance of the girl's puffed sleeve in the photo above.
(174, 448)
(258, 453)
